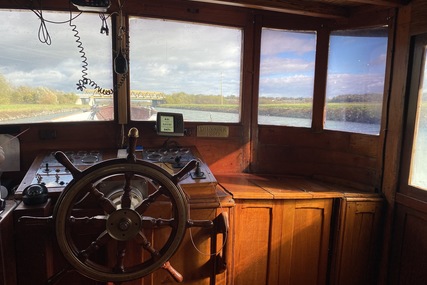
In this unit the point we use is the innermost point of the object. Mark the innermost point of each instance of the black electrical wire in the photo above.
(44, 37)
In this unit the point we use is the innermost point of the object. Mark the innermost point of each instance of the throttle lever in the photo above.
(63, 159)
(187, 168)
(173, 272)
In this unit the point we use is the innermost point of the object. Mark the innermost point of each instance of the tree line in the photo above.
(10, 94)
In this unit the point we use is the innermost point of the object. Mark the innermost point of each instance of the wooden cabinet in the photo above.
(301, 241)
(356, 248)
(278, 239)
(281, 242)
(299, 231)
(409, 249)
(252, 231)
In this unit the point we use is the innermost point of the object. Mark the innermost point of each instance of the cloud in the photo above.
(275, 65)
(26, 59)
(170, 56)
(339, 84)
(287, 86)
(279, 41)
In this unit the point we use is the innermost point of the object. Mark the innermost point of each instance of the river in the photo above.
(205, 116)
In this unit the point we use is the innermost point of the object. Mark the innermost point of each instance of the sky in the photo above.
(170, 57)
(356, 64)
(27, 59)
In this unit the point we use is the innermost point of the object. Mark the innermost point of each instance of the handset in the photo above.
(2, 204)
(92, 5)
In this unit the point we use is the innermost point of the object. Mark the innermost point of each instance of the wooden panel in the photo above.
(252, 233)
(304, 242)
(418, 17)
(308, 162)
(344, 156)
(409, 258)
(356, 249)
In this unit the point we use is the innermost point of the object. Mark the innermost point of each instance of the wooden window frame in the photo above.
(417, 61)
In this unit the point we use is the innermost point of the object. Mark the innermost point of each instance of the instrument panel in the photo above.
(46, 170)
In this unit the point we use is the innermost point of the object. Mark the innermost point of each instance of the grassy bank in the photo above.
(17, 111)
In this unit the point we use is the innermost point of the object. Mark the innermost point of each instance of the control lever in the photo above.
(63, 159)
(198, 173)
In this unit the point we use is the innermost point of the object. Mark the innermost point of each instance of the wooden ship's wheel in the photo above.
(122, 219)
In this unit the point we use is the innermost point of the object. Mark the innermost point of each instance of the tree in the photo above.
(5, 90)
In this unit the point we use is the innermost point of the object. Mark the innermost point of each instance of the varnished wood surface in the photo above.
(256, 186)
(357, 242)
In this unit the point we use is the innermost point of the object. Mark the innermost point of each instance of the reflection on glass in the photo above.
(286, 78)
(42, 67)
(418, 176)
(355, 82)
(190, 68)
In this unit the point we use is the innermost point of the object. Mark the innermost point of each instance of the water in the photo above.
(216, 117)
(203, 116)
(219, 117)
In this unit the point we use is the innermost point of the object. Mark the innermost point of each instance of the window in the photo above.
(414, 164)
(286, 78)
(355, 82)
(418, 173)
(190, 68)
(45, 57)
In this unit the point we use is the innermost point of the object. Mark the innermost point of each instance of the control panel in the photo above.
(47, 171)
(52, 174)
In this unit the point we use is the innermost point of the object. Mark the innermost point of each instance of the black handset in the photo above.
(2, 204)
(92, 5)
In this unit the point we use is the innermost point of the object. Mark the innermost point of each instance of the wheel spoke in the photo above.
(150, 199)
(95, 221)
(147, 246)
(121, 253)
(126, 199)
(152, 223)
(105, 203)
(102, 239)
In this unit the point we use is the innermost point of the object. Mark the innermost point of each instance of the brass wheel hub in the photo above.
(123, 224)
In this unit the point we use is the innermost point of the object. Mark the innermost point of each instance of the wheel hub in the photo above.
(124, 224)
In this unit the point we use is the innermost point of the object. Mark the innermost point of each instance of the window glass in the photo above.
(286, 78)
(355, 82)
(193, 69)
(44, 59)
(418, 173)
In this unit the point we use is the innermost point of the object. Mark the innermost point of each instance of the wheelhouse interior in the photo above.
(213, 142)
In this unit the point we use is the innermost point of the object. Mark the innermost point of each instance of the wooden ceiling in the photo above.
(317, 8)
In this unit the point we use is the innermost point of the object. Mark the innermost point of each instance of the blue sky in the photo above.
(356, 64)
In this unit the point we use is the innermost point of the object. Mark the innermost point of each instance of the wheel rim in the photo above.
(122, 226)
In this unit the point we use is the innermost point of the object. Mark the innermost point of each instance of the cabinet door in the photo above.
(252, 231)
(356, 247)
(300, 252)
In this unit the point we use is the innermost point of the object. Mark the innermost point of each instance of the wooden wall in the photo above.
(350, 159)
(405, 246)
